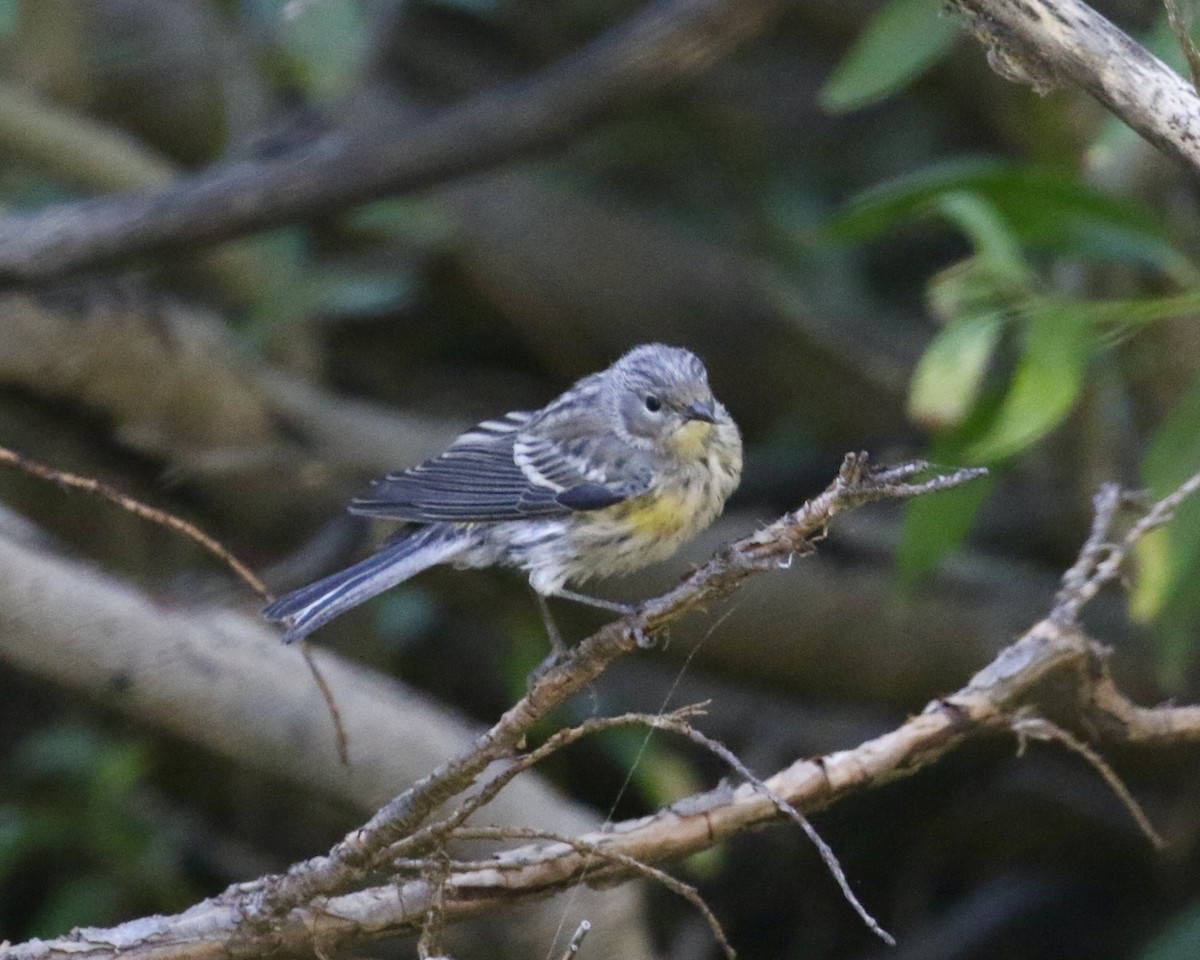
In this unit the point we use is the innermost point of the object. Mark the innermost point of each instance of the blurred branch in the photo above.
(1048, 43)
(90, 154)
(176, 386)
(664, 44)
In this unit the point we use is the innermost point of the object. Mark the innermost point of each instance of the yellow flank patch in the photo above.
(690, 442)
(659, 514)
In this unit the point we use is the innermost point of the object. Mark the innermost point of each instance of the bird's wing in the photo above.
(496, 471)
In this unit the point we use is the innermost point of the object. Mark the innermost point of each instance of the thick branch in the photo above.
(666, 43)
(1049, 42)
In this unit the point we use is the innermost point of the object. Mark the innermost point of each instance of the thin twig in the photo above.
(72, 481)
(438, 832)
(674, 722)
(1100, 562)
(1180, 20)
(676, 886)
(339, 730)
(437, 871)
(1104, 510)
(576, 940)
(789, 811)
(1026, 726)
(62, 478)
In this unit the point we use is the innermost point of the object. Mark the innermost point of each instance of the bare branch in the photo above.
(302, 906)
(665, 44)
(827, 855)
(1055, 647)
(346, 863)
(97, 488)
(437, 833)
(1046, 43)
(1027, 726)
(1118, 719)
(1100, 561)
(577, 940)
(590, 850)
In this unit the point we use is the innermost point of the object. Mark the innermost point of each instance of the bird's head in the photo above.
(661, 398)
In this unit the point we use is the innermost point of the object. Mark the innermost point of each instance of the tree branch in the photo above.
(301, 907)
(309, 909)
(1046, 43)
(666, 43)
(984, 706)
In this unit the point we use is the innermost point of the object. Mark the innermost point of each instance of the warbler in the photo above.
(613, 475)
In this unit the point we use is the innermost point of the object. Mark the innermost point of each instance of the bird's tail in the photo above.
(313, 606)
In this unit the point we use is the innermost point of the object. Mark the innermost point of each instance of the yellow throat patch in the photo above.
(690, 442)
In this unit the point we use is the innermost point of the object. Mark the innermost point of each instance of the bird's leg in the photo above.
(624, 609)
(557, 647)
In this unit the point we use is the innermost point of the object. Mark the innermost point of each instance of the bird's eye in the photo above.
(653, 404)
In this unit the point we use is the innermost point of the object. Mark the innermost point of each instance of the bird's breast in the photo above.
(663, 513)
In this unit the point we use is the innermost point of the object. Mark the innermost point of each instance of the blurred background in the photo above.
(872, 240)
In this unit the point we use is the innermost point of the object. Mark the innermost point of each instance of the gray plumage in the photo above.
(614, 474)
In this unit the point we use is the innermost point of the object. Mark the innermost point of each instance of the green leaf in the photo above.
(1155, 575)
(1143, 310)
(1168, 559)
(1172, 554)
(1049, 376)
(326, 42)
(1174, 452)
(661, 774)
(900, 42)
(949, 374)
(997, 248)
(1045, 209)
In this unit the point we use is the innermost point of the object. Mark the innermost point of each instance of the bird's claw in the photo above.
(553, 659)
(644, 640)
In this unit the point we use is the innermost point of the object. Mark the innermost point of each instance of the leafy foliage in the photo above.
(900, 42)
(72, 814)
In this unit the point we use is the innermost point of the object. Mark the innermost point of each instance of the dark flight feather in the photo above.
(478, 480)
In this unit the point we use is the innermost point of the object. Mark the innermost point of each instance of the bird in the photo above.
(613, 475)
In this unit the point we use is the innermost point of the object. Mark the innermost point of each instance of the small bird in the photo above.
(615, 474)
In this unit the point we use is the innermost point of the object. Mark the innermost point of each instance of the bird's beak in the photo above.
(700, 411)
